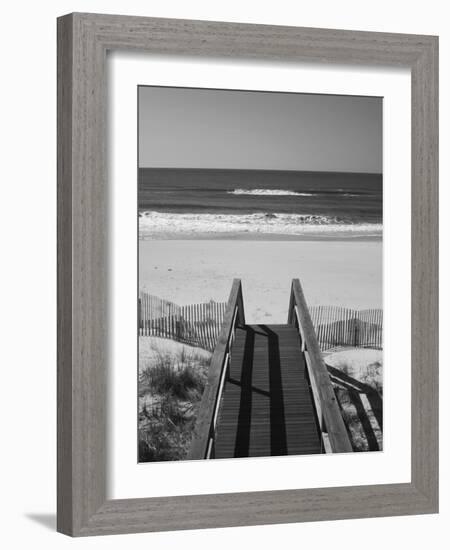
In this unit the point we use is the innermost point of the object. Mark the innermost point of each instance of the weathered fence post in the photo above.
(195, 324)
(336, 326)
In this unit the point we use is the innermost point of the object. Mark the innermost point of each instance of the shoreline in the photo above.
(261, 237)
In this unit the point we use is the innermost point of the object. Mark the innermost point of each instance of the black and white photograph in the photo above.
(260, 219)
(221, 299)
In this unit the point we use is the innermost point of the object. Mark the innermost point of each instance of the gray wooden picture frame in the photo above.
(83, 41)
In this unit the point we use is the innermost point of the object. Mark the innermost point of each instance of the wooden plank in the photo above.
(207, 321)
(201, 324)
(146, 314)
(267, 406)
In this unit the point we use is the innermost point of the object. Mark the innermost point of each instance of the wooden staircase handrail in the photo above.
(204, 431)
(331, 423)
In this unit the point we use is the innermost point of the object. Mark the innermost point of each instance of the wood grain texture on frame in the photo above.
(83, 40)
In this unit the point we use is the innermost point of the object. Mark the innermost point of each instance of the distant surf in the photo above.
(171, 225)
(270, 192)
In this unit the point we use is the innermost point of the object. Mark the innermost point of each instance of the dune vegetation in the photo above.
(172, 378)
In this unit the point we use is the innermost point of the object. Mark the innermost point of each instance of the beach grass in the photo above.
(171, 384)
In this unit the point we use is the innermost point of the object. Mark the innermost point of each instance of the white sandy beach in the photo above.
(345, 273)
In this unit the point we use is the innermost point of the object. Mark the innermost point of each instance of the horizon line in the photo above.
(257, 169)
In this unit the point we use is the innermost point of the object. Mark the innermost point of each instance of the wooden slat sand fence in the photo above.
(338, 326)
(194, 324)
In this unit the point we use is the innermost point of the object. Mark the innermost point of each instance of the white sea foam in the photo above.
(160, 224)
(270, 192)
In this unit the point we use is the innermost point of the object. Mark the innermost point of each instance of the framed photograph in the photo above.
(247, 274)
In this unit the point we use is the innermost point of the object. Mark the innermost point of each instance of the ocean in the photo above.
(255, 204)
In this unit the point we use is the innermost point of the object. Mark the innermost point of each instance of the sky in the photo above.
(202, 128)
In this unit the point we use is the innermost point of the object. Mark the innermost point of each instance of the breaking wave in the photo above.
(161, 224)
(269, 192)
